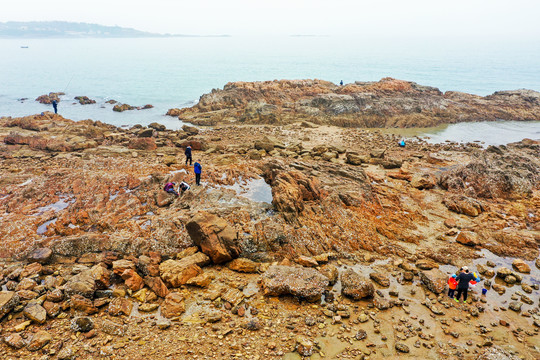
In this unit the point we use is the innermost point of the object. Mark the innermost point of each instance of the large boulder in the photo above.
(356, 286)
(214, 236)
(35, 312)
(434, 279)
(40, 255)
(303, 282)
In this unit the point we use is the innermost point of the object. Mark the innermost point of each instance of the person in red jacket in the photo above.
(452, 284)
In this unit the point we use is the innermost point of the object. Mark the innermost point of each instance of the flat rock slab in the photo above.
(297, 281)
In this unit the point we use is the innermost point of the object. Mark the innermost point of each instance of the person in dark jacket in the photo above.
(197, 169)
(463, 279)
(183, 187)
(188, 154)
(55, 106)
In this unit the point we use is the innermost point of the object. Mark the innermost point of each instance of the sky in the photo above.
(386, 18)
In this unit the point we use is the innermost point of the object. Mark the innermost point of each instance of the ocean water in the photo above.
(175, 72)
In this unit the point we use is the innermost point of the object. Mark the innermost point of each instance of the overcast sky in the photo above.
(476, 18)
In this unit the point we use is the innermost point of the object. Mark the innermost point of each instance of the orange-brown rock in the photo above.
(156, 285)
(467, 238)
(132, 280)
(214, 236)
(173, 305)
(244, 265)
(83, 304)
(120, 306)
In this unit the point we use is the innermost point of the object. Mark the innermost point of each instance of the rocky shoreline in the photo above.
(386, 103)
(304, 240)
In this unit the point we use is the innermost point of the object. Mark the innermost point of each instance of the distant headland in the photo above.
(65, 29)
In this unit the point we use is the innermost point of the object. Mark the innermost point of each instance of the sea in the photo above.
(175, 72)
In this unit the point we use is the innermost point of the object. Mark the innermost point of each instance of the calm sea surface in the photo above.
(174, 72)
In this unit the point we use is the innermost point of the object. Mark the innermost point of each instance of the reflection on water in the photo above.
(253, 189)
(486, 132)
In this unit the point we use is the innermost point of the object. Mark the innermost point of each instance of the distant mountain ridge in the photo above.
(65, 29)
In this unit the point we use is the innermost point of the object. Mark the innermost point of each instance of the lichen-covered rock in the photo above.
(297, 281)
(356, 286)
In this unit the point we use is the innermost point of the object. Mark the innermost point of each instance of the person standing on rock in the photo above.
(463, 279)
(197, 169)
(341, 83)
(55, 106)
(188, 154)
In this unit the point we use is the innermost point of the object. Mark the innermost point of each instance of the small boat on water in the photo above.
(24, 47)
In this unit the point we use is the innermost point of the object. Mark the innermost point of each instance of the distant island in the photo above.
(65, 29)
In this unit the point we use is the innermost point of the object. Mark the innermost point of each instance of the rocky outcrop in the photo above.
(215, 236)
(84, 100)
(386, 103)
(297, 281)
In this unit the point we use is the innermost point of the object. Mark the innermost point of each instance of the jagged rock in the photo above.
(496, 353)
(31, 270)
(83, 304)
(173, 305)
(233, 296)
(468, 238)
(15, 341)
(101, 275)
(202, 280)
(40, 255)
(214, 236)
(132, 280)
(356, 286)
(521, 266)
(36, 313)
(380, 279)
(435, 280)
(156, 285)
(243, 265)
(39, 340)
(8, 301)
(82, 324)
(26, 284)
(52, 309)
(426, 264)
(55, 295)
(463, 205)
(306, 261)
(66, 353)
(355, 159)
(120, 306)
(302, 282)
(120, 266)
(178, 272)
(81, 284)
(423, 181)
(292, 189)
(84, 100)
(331, 272)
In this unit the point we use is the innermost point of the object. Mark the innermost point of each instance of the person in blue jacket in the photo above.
(188, 154)
(197, 169)
(55, 106)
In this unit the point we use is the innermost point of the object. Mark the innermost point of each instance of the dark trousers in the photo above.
(462, 291)
(198, 179)
(451, 292)
(188, 158)
(55, 109)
